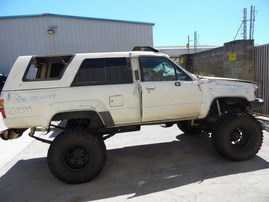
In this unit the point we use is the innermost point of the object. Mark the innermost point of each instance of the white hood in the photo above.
(225, 79)
(228, 87)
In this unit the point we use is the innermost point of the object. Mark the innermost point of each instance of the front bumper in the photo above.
(257, 103)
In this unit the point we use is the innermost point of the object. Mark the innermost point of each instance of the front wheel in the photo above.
(76, 156)
(237, 136)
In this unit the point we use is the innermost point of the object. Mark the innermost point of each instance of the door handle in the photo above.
(177, 83)
(151, 87)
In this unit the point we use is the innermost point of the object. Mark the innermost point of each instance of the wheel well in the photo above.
(223, 105)
(228, 104)
(89, 118)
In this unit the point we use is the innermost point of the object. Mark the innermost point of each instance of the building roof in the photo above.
(74, 17)
(175, 51)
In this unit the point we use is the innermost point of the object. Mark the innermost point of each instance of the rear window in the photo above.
(47, 68)
(102, 71)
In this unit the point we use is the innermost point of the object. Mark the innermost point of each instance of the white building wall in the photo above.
(28, 35)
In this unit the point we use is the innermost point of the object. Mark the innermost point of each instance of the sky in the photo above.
(216, 22)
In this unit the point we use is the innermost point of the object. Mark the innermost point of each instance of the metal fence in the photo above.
(261, 61)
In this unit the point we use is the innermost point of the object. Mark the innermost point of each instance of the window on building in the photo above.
(46, 68)
(161, 69)
(102, 71)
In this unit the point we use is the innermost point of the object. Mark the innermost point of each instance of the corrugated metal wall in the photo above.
(262, 75)
(29, 36)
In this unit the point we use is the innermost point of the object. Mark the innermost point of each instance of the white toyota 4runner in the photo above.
(100, 94)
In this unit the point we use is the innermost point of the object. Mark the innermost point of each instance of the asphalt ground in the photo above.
(154, 164)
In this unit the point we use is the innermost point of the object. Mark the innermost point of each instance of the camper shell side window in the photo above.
(47, 68)
(104, 71)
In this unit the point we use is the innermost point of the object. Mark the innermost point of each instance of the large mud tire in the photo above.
(237, 136)
(76, 156)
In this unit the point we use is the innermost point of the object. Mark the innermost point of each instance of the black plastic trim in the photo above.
(257, 103)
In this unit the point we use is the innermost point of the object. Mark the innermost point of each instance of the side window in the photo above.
(101, 71)
(46, 68)
(161, 69)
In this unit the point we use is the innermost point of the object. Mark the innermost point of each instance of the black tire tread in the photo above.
(71, 134)
(218, 136)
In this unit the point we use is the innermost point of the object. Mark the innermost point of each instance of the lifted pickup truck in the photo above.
(101, 94)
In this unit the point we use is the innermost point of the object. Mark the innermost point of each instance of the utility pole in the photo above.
(244, 31)
(251, 22)
(195, 41)
(188, 44)
(244, 23)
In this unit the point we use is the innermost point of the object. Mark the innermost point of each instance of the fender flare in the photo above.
(103, 118)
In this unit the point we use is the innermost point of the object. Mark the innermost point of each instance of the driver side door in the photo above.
(168, 93)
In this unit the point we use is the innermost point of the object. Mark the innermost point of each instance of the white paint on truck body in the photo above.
(34, 103)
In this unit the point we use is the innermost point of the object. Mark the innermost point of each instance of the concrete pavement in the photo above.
(9, 149)
(154, 164)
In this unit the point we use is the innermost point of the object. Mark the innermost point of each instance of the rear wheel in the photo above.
(75, 156)
(237, 136)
